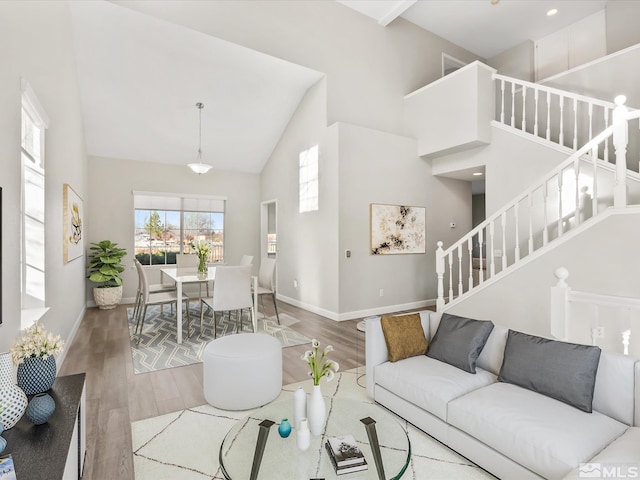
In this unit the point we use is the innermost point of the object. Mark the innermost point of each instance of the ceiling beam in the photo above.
(398, 9)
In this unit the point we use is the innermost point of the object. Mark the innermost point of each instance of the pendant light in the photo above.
(200, 167)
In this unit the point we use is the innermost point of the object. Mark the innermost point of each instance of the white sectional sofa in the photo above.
(512, 432)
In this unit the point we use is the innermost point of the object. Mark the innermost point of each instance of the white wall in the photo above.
(513, 163)
(453, 113)
(112, 181)
(379, 167)
(369, 68)
(37, 46)
(596, 264)
(518, 61)
(622, 24)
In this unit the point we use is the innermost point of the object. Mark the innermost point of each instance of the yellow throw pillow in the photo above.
(404, 336)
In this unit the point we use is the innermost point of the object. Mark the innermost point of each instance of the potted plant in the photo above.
(105, 267)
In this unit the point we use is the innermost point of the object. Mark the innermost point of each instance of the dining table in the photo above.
(191, 275)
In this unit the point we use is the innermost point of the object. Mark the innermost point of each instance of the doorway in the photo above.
(269, 229)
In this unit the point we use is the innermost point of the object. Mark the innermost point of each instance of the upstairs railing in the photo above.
(583, 317)
(577, 189)
(555, 115)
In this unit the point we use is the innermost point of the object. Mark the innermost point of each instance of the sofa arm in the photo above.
(375, 351)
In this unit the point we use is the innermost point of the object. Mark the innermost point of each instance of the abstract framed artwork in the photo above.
(73, 244)
(397, 229)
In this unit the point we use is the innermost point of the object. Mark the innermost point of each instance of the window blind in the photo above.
(178, 202)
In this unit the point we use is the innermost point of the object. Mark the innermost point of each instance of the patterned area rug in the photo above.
(185, 444)
(158, 347)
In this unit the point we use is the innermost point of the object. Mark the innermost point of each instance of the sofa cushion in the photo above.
(459, 341)
(544, 435)
(404, 336)
(621, 457)
(429, 383)
(564, 371)
(614, 393)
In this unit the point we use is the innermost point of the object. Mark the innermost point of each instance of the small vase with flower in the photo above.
(319, 366)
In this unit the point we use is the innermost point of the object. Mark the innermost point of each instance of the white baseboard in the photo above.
(339, 317)
(70, 337)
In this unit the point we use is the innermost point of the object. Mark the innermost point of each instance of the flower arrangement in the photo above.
(203, 250)
(36, 342)
(319, 365)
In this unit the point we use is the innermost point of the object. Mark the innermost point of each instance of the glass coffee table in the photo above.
(282, 459)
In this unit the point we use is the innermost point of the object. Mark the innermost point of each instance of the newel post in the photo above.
(440, 274)
(620, 140)
(559, 304)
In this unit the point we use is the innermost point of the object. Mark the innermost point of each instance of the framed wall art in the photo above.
(73, 244)
(397, 229)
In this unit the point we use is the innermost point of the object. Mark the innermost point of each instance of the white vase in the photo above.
(303, 436)
(299, 406)
(12, 398)
(316, 411)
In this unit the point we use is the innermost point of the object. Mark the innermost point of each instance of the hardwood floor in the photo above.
(116, 396)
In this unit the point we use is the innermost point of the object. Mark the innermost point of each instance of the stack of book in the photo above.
(345, 454)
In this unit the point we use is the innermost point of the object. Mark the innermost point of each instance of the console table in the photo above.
(54, 450)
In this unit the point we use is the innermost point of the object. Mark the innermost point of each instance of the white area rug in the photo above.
(185, 444)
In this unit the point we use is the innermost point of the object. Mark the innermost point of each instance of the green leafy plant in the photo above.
(105, 264)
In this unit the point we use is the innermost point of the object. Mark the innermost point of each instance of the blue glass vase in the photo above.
(3, 442)
(36, 374)
(40, 408)
(285, 428)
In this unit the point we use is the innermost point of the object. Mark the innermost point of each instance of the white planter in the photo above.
(107, 298)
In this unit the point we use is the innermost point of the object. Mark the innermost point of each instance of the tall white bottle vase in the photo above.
(316, 411)
(299, 406)
(303, 435)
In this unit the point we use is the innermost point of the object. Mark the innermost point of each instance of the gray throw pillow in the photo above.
(560, 370)
(459, 341)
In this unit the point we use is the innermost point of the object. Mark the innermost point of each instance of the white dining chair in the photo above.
(157, 298)
(153, 288)
(266, 285)
(231, 292)
(246, 260)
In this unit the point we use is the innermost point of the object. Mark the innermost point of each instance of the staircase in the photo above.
(594, 178)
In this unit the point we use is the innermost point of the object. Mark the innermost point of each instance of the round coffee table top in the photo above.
(282, 459)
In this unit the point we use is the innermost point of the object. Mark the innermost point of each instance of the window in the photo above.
(308, 180)
(34, 123)
(167, 224)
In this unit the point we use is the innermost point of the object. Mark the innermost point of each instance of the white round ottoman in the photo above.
(242, 371)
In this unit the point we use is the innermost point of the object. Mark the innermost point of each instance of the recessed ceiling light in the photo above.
(552, 12)
(494, 2)
(475, 174)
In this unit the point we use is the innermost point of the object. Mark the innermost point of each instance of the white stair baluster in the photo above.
(545, 231)
(481, 243)
(594, 189)
(450, 276)
(560, 219)
(517, 247)
(460, 287)
(575, 123)
(576, 168)
(440, 274)
(524, 108)
(590, 121)
(548, 115)
(503, 221)
(513, 105)
(561, 137)
(626, 339)
(492, 263)
(529, 200)
(535, 117)
(470, 245)
(606, 142)
(503, 100)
